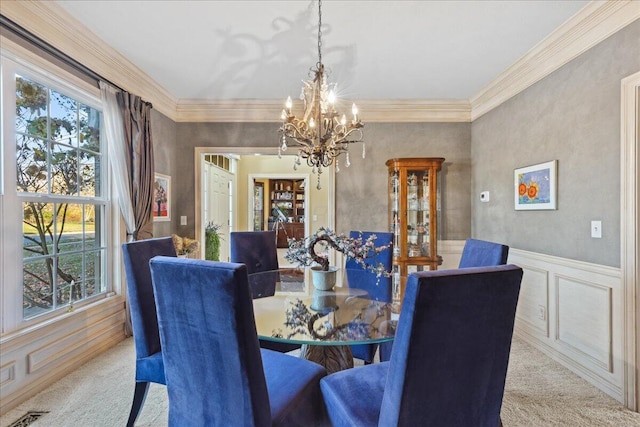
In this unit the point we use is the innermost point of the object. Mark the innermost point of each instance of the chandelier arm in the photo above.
(360, 137)
(311, 161)
(294, 132)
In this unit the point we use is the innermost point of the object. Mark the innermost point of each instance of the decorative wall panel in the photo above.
(533, 305)
(584, 319)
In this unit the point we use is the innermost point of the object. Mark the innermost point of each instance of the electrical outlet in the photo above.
(183, 220)
(542, 312)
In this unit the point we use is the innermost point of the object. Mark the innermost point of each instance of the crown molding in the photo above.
(53, 24)
(372, 110)
(591, 25)
(594, 23)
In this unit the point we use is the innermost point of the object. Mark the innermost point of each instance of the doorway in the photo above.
(248, 164)
(218, 178)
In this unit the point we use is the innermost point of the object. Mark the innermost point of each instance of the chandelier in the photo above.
(321, 133)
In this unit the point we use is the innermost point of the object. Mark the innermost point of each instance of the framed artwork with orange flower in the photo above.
(535, 186)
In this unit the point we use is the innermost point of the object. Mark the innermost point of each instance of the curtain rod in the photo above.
(51, 50)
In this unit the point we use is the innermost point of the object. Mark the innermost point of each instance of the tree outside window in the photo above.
(59, 161)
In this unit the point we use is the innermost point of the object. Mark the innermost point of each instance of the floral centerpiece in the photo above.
(303, 252)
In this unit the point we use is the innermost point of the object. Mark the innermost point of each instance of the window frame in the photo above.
(11, 275)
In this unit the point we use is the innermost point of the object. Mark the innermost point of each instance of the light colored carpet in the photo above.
(539, 392)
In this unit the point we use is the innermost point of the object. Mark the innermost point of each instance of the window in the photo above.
(54, 195)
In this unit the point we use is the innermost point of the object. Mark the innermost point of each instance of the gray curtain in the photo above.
(136, 118)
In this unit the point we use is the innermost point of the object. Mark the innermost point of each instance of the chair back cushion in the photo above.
(136, 256)
(256, 249)
(480, 253)
(357, 277)
(450, 355)
(210, 347)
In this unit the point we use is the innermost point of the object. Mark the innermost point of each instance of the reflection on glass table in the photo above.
(325, 323)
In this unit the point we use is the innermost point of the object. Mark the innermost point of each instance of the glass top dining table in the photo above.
(325, 323)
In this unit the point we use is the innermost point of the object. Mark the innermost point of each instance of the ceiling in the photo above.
(373, 49)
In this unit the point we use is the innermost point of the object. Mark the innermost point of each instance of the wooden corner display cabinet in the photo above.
(414, 214)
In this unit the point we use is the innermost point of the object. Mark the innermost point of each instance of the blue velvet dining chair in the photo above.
(480, 253)
(449, 359)
(378, 288)
(258, 251)
(149, 367)
(217, 375)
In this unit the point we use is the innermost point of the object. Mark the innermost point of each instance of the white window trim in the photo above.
(16, 59)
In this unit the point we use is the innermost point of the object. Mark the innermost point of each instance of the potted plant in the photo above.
(303, 253)
(212, 242)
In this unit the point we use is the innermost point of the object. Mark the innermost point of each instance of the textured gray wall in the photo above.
(573, 115)
(361, 189)
(191, 135)
(163, 132)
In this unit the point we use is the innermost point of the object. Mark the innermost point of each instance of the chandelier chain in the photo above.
(319, 32)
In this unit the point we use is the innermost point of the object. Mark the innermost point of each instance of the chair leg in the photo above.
(139, 395)
(385, 351)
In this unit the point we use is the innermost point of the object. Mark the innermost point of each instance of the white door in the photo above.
(217, 205)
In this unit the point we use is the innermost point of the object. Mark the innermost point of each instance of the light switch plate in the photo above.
(183, 220)
(596, 229)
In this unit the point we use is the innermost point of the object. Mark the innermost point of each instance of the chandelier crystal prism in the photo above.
(321, 133)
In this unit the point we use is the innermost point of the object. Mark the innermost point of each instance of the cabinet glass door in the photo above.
(418, 213)
(394, 207)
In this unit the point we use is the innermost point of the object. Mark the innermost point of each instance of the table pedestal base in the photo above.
(333, 358)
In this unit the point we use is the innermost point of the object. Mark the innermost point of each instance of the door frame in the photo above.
(199, 151)
(629, 239)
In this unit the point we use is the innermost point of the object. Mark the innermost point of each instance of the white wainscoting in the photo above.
(570, 310)
(35, 358)
(451, 252)
(573, 312)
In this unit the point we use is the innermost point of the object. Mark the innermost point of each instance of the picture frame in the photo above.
(162, 197)
(535, 186)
